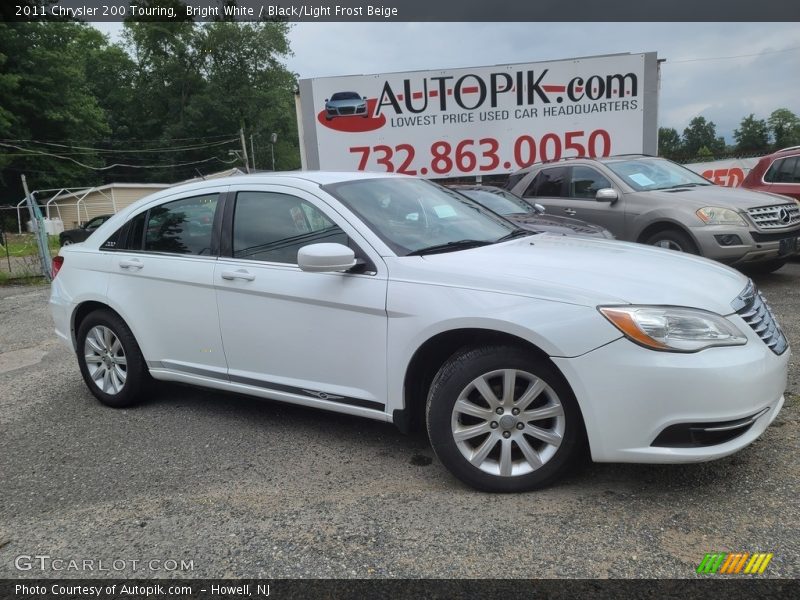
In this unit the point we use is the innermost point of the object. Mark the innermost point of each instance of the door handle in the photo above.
(131, 264)
(570, 212)
(238, 274)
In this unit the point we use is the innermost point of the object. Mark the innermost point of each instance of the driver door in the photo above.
(310, 338)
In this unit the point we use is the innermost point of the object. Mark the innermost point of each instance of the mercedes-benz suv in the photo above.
(658, 202)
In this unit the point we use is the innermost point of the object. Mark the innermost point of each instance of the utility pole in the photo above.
(252, 153)
(244, 150)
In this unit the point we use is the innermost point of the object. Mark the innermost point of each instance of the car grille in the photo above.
(753, 308)
(347, 110)
(775, 217)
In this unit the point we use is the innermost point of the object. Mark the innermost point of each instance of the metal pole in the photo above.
(252, 153)
(244, 150)
(41, 234)
(272, 151)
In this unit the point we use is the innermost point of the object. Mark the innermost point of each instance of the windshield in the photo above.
(345, 96)
(500, 201)
(655, 174)
(410, 215)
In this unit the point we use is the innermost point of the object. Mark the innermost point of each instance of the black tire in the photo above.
(675, 239)
(458, 375)
(66, 241)
(765, 267)
(136, 374)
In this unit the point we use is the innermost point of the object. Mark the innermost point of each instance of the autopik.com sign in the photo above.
(480, 121)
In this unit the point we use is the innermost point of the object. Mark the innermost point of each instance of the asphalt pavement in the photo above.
(202, 484)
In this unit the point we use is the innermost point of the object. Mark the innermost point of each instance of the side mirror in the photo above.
(607, 195)
(539, 208)
(326, 99)
(325, 257)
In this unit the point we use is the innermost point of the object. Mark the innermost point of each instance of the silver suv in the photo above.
(658, 202)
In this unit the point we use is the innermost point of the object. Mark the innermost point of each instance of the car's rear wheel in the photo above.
(672, 239)
(501, 419)
(66, 241)
(110, 360)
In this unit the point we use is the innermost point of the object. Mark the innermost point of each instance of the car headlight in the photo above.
(716, 215)
(673, 329)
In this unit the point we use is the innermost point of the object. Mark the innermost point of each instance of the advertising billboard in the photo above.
(482, 120)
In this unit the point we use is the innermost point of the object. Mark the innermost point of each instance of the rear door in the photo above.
(569, 191)
(311, 338)
(162, 283)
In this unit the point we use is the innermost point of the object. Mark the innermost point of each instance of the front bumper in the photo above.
(754, 246)
(629, 395)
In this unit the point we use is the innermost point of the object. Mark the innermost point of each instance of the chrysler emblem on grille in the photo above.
(784, 215)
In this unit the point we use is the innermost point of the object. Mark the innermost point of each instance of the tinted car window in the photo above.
(127, 237)
(585, 181)
(549, 182)
(95, 223)
(182, 227)
(273, 227)
(785, 170)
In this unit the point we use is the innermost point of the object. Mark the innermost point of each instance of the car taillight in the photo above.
(58, 262)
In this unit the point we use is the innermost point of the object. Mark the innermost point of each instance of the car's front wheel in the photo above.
(66, 241)
(110, 360)
(501, 419)
(673, 239)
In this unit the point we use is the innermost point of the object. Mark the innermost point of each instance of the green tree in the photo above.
(784, 126)
(701, 133)
(704, 153)
(752, 137)
(247, 85)
(669, 143)
(44, 95)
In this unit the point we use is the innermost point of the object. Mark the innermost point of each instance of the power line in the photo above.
(131, 141)
(90, 150)
(108, 167)
(688, 60)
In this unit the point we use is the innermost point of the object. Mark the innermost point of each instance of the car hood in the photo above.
(556, 224)
(715, 195)
(348, 102)
(581, 270)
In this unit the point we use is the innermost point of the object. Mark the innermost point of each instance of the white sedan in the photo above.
(395, 299)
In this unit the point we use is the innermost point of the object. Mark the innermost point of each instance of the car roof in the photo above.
(786, 151)
(268, 177)
(598, 159)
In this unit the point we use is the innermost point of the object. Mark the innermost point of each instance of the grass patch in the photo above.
(25, 245)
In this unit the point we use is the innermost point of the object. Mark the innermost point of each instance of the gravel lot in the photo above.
(248, 488)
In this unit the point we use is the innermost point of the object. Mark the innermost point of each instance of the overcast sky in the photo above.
(698, 77)
(722, 91)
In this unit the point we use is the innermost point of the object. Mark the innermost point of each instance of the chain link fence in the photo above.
(20, 259)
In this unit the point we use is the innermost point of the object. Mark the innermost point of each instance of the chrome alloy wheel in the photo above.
(508, 422)
(105, 359)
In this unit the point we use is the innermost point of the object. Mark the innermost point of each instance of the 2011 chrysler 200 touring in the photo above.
(392, 298)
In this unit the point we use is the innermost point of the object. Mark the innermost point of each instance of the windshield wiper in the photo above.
(686, 185)
(449, 247)
(518, 232)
